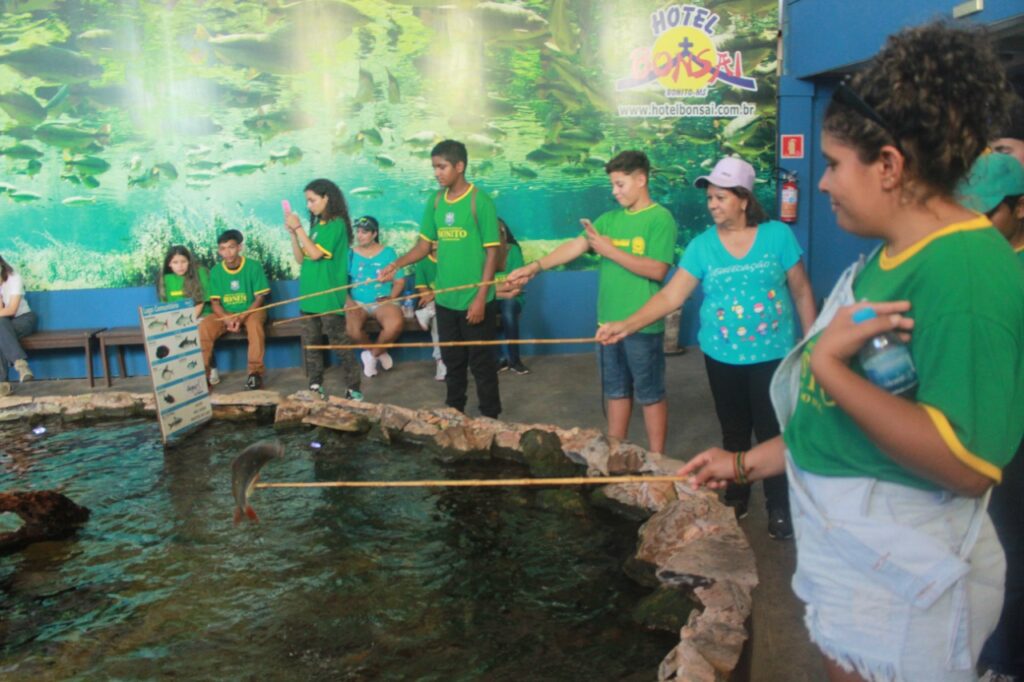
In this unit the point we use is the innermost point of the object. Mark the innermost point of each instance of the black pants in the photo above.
(452, 326)
(744, 406)
(1004, 650)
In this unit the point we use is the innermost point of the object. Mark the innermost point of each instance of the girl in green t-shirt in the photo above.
(182, 278)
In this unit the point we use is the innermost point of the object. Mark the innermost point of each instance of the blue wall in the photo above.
(558, 305)
(823, 40)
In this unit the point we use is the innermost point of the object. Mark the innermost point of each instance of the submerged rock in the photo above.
(47, 515)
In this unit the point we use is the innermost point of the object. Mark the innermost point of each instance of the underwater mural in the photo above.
(127, 127)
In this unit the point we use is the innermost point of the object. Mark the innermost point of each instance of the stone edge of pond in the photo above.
(689, 539)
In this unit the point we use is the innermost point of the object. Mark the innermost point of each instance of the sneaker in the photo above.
(519, 368)
(503, 365)
(423, 316)
(254, 382)
(385, 360)
(6, 388)
(353, 394)
(24, 371)
(316, 387)
(441, 372)
(369, 363)
(780, 526)
(214, 377)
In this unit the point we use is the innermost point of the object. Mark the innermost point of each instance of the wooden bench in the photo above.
(119, 337)
(64, 338)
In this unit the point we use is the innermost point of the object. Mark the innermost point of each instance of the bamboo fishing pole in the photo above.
(452, 344)
(479, 483)
(299, 298)
(408, 297)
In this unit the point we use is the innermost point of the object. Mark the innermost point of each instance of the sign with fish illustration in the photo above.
(126, 129)
(171, 332)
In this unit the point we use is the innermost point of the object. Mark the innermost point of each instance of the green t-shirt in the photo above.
(966, 292)
(236, 289)
(329, 272)
(462, 243)
(425, 273)
(174, 288)
(649, 232)
(513, 260)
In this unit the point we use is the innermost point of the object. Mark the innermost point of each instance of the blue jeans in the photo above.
(634, 366)
(510, 309)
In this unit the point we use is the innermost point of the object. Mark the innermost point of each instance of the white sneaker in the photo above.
(442, 371)
(214, 377)
(385, 360)
(423, 316)
(369, 363)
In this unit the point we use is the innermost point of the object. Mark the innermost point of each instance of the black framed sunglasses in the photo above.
(365, 223)
(846, 96)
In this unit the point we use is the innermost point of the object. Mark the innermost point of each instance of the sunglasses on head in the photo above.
(365, 223)
(846, 96)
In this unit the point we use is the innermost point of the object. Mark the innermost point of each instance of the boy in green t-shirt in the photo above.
(636, 244)
(463, 222)
(237, 285)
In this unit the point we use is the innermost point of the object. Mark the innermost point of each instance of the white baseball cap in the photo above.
(729, 172)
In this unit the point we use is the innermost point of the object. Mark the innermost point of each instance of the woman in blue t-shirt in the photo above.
(752, 278)
(375, 299)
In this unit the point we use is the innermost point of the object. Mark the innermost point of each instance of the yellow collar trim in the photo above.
(1019, 249)
(887, 262)
(464, 195)
(233, 272)
(653, 204)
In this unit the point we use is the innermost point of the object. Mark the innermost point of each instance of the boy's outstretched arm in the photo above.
(643, 266)
(570, 250)
(417, 253)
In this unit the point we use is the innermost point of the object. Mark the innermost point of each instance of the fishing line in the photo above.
(485, 483)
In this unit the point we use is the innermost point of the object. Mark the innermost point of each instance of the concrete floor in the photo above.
(565, 390)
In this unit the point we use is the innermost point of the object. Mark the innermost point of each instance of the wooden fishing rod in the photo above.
(397, 299)
(299, 298)
(480, 483)
(452, 344)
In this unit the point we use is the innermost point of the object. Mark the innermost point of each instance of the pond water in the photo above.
(423, 584)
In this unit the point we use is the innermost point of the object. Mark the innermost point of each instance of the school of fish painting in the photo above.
(125, 128)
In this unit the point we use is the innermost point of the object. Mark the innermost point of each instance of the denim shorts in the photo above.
(899, 583)
(634, 366)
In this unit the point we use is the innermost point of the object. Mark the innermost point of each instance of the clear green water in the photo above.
(458, 584)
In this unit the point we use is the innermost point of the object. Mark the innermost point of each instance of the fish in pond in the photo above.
(22, 196)
(157, 324)
(183, 318)
(245, 471)
(186, 342)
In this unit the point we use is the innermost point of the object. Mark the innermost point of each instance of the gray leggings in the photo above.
(12, 329)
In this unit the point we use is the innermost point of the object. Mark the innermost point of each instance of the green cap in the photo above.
(992, 178)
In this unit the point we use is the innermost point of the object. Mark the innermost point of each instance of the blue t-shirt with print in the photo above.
(362, 268)
(747, 313)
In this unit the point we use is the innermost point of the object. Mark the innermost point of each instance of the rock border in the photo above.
(688, 539)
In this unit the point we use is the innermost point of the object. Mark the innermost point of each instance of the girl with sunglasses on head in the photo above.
(323, 255)
(897, 561)
(375, 299)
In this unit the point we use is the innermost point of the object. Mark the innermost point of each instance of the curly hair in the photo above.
(941, 90)
(336, 206)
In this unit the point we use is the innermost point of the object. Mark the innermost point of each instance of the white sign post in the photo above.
(175, 360)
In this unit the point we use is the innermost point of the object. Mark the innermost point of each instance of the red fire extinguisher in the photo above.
(790, 198)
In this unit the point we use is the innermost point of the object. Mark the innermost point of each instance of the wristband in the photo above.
(741, 476)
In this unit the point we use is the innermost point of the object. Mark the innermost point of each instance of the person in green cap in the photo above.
(995, 187)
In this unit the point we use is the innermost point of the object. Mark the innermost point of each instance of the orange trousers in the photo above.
(212, 328)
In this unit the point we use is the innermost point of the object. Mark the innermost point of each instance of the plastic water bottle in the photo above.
(886, 359)
(408, 308)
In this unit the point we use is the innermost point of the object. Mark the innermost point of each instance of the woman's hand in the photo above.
(292, 222)
(843, 337)
(612, 332)
(520, 276)
(713, 468)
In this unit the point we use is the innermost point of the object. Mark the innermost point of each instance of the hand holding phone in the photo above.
(286, 206)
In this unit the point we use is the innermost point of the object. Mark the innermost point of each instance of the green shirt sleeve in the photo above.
(429, 228)
(664, 233)
(487, 218)
(260, 285)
